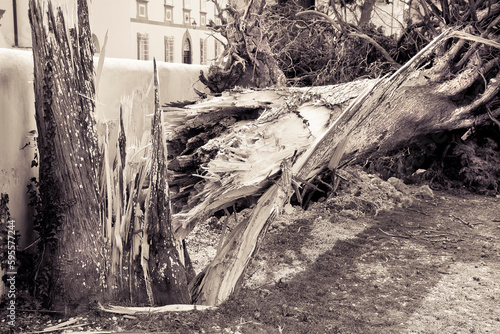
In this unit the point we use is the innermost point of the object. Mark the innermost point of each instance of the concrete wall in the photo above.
(120, 77)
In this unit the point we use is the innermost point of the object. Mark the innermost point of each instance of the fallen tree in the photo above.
(311, 125)
(247, 59)
(245, 149)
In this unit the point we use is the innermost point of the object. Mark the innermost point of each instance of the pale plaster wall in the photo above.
(112, 16)
(120, 77)
(16, 120)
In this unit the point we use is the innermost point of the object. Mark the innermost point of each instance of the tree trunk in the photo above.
(366, 12)
(97, 242)
(166, 278)
(74, 253)
(218, 281)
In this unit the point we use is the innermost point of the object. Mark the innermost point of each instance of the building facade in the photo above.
(174, 30)
(167, 30)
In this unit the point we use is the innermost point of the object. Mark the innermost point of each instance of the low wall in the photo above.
(119, 77)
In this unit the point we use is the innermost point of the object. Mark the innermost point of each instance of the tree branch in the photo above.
(357, 34)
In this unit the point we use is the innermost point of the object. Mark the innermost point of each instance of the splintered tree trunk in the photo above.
(166, 278)
(219, 280)
(389, 114)
(74, 253)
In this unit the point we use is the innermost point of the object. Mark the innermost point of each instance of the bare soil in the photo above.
(381, 257)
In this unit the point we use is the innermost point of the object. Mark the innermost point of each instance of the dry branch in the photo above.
(154, 310)
(340, 27)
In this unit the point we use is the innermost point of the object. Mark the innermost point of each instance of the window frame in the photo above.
(142, 48)
(168, 9)
(142, 4)
(169, 48)
(187, 54)
(203, 51)
(187, 18)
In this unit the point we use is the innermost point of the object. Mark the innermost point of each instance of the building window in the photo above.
(142, 46)
(217, 49)
(203, 51)
(203, 6)
(203, 19)
(142, 9)
(169, 49)
(187, 17)
(169, 3)
(168, 14)
(187, 4)
(186, 52)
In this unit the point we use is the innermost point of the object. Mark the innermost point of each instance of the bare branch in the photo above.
(357, 34)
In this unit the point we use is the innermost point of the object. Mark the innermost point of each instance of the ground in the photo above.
(380, 257)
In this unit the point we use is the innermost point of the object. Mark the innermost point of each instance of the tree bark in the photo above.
(166, 278)
(366, 12)
(74, 253)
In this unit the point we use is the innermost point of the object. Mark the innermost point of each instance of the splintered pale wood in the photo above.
(250, 152)
(221, 276)
(368, 111)
(247, 157)
(152, 310)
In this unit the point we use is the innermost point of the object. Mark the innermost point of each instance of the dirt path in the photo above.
(430, 268)
(416, 266)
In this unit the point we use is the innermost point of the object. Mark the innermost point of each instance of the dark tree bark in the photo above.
(168, 278)
(366, 12)
(73, 251)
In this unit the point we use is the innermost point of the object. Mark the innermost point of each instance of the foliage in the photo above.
(313, 52)
(26, 263)
(480, 165)
(451, 163)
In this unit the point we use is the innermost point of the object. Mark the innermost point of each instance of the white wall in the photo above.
(17, 109)
(122, 76)
(16, 120)
(157, 29)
